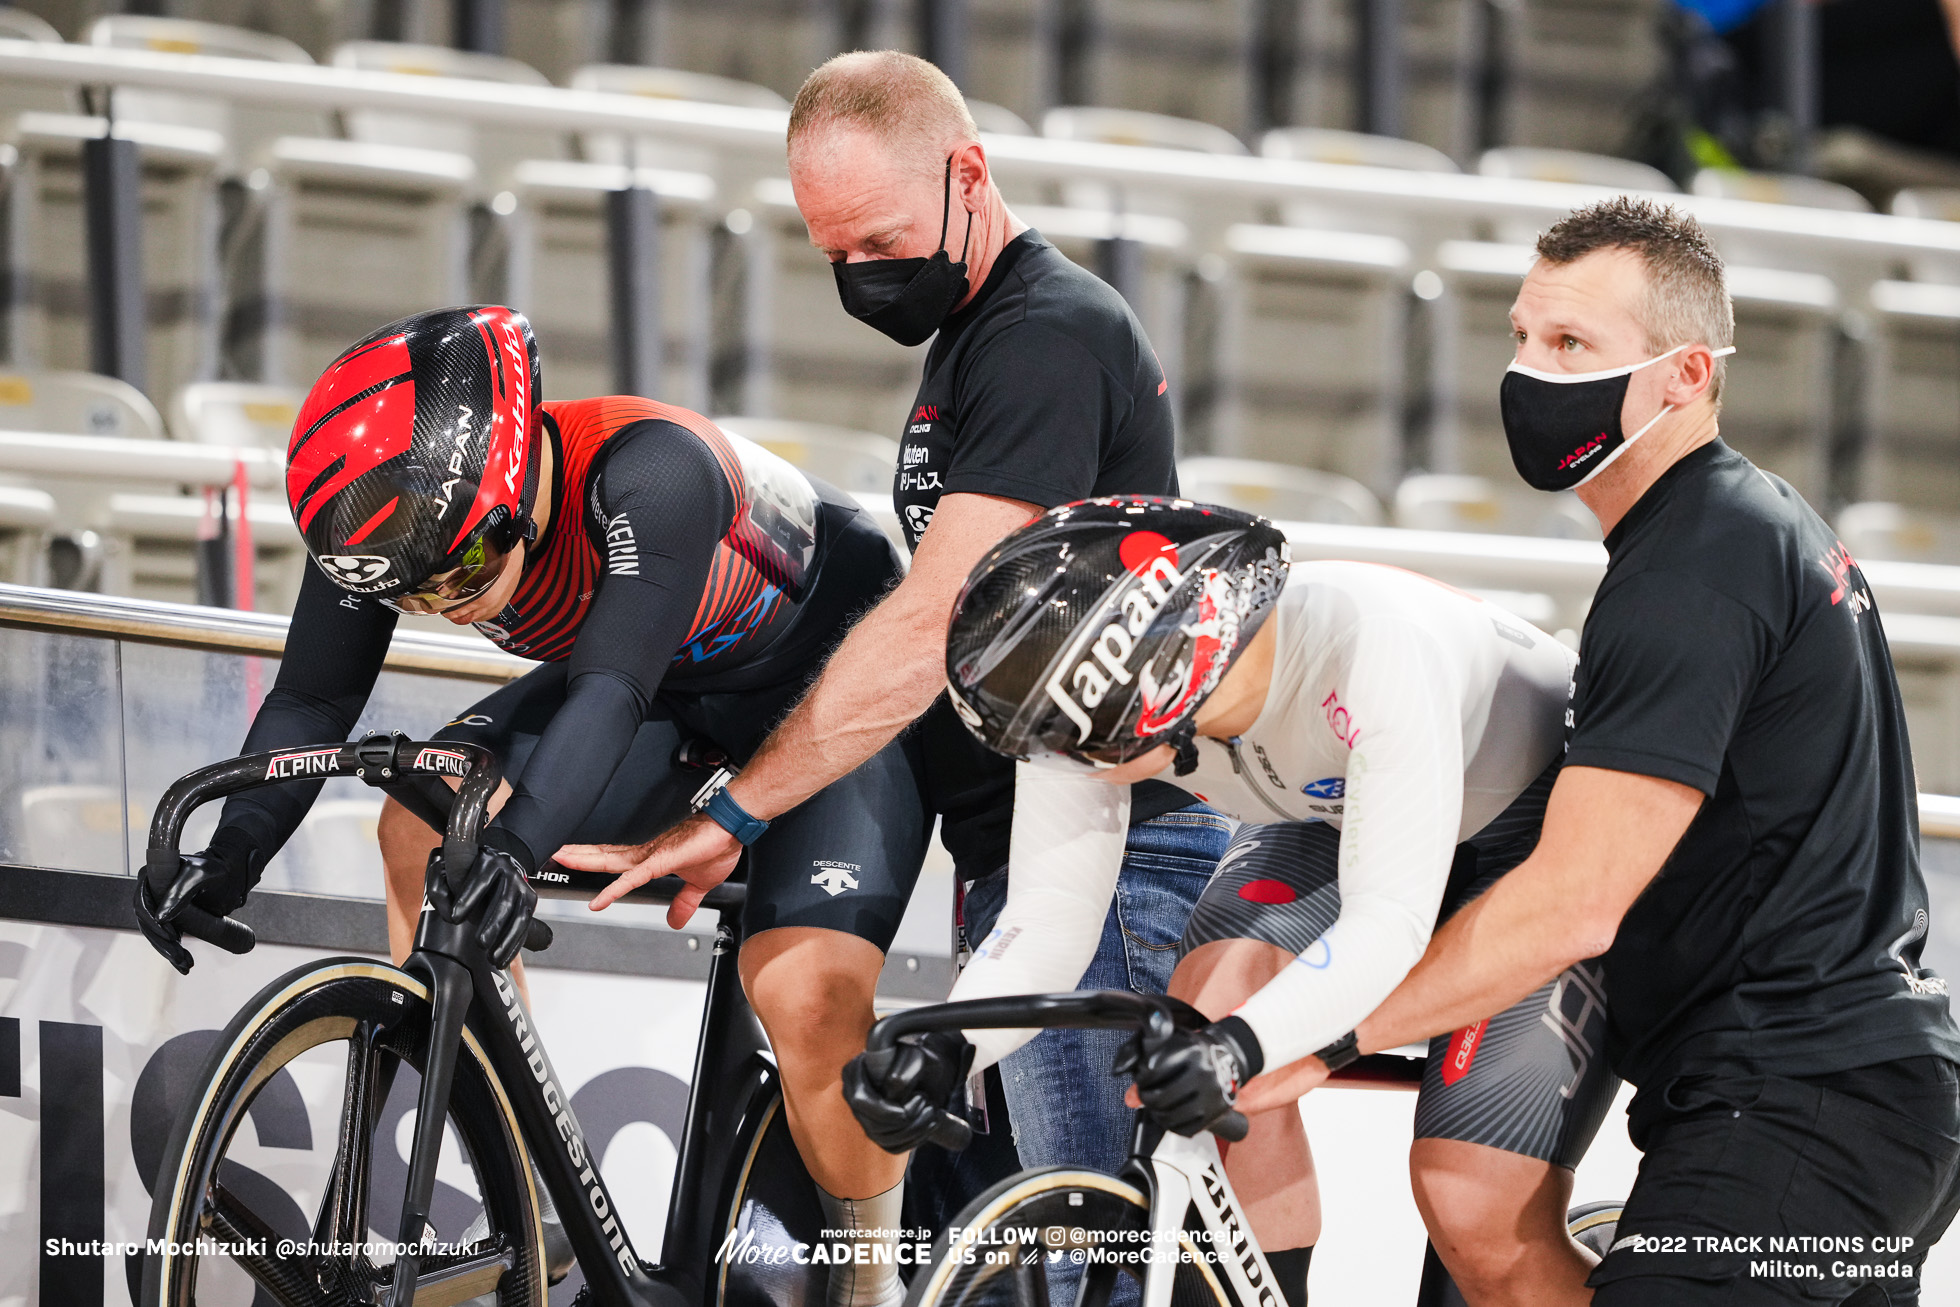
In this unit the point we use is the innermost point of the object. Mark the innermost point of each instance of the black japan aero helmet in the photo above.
(1096, 630)
(411, 457)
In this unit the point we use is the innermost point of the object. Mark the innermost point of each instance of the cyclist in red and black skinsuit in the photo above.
(673, 582)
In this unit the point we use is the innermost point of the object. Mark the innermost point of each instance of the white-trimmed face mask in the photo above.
(1564, 427)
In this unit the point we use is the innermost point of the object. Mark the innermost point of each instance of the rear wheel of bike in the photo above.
(360, 1021)
(1040, 1230)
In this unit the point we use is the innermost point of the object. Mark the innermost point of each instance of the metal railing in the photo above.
(223, 630)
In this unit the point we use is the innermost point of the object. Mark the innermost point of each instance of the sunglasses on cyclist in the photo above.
(482, 564)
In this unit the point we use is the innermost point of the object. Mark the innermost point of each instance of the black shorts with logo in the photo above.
(1530, 1080)
(1759, 1189)
(844, 859)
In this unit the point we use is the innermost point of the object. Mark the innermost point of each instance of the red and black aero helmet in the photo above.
(414, 448)
(1096, 630)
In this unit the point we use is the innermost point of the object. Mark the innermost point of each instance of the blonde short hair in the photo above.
(1687, 289)
(898, 98)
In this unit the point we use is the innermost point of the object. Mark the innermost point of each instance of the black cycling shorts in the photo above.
(1530, 1080)
(845, 859)
(1762, 1189)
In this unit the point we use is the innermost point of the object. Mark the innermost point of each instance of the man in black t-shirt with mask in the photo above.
(1040, 389)
(1735, 829)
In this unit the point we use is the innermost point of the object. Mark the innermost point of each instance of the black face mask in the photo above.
(907, 299)
(1564, 427)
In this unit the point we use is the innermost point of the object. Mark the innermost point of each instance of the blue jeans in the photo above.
(1066, 1107)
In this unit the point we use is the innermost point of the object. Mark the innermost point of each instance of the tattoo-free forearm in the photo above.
(1504, 945)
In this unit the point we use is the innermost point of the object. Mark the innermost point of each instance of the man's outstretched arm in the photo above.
(1607, 835)
(887, 671)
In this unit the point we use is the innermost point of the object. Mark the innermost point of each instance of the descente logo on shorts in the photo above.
(835, 877)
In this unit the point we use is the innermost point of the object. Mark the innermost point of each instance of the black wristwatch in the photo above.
(1341, 1052)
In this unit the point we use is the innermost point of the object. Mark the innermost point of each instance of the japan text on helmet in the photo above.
(414, 447)
(1096, 630)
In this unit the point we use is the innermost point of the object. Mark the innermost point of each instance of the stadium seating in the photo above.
(1179, 58)
(496, 148)
(1304, 358)
(794, 354)
(235, 413)
(46, 246)
(1275, 490)
(1542, 165)
(663, 84)
(246, 129)
(1445, 502)
(1876, 530)
(556, 272)
(336, 239)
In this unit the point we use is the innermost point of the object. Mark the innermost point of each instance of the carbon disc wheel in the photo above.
(364, 1021)
(1056, 1237)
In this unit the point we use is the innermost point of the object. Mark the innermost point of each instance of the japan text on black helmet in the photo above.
(1097, 629)
(414, 448)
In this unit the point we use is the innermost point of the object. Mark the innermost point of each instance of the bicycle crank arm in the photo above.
(450, 1286)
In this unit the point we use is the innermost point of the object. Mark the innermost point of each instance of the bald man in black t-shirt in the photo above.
(1039, 390)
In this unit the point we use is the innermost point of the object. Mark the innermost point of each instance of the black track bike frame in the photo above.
(464, 989)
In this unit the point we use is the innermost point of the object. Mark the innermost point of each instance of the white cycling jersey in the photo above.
(1403, 712)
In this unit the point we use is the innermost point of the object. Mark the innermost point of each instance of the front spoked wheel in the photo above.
(231, 1234)
(1057, 1237)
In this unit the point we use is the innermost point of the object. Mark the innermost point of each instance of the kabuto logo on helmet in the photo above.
(352, 571)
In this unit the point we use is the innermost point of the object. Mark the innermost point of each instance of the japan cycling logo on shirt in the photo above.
(1330, 787)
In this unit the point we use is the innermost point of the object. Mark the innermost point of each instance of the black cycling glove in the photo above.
(1188, 1079)
(497, 891)
(898, 1094)
(218, 880)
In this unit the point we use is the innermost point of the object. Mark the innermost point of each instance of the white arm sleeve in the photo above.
(1404, 803)
(1061, 875)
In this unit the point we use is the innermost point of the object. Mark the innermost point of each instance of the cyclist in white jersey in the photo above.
(1395, 739)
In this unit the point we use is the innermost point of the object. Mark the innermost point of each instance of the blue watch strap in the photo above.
(726, 813)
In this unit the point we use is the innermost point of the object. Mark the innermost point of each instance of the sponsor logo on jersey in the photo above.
(1339, 720)
(914, 455)
(444, 762)
(1266, 765)
(926, 413)
(622, 551)
(1849, 579)
(355, 571)
(474, 719)
(311, 762)
(1512, 634)
(918, 517)
(1327, 787)
(1463, 1051)
(928, 480)
(835, 877)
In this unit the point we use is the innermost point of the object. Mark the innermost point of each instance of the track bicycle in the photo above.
(460, 1025)
(1167, 1219)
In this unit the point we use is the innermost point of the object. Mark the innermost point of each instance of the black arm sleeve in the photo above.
(334, 651)
(658, 506)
